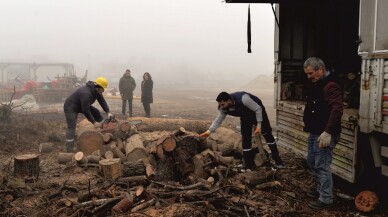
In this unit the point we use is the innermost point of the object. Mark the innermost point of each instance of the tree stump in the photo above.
(111, 168)
(27, 165)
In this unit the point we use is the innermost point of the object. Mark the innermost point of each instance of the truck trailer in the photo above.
(351, 37)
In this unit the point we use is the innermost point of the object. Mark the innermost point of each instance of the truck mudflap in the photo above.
(290, 134)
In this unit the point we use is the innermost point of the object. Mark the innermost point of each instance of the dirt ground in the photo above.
(28, 129)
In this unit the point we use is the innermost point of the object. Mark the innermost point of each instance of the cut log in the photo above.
(268, 185)
(124, 205)
(97, 153)
(90, 141)
(169, 144)
(150, 172)
(117, 153)
(45, 147)
(93, 159)
(258, 177)
(198, 166)
(134, 149)
(108, 155)
(80, 158)
(27, 166)
(107, 137)
(159, 151)
(120, 145)
(179, 132)
(111, 168)
(133, 169)
(64, 158)
(124, 126)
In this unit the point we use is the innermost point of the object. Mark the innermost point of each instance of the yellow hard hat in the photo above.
(102, 82)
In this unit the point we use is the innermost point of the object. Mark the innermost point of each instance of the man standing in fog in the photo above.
(322, 119)
(126, 87)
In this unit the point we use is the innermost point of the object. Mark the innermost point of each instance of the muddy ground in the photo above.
(29, 129)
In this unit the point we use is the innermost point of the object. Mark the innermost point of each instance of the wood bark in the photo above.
(45, 147)
(133, 169)
(64, 158)
(125, 204)
(111, 168)
(93, 159)
(163, 124)
(27, 165)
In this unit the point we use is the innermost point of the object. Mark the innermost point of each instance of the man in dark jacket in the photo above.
(252, 113)
(322, 119)
(81, 102)
(126, 87)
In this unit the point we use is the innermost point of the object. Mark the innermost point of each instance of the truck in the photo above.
(351, 37)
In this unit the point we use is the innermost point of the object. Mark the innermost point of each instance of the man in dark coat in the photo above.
(146, 93)
(322, 119)
(252, 113)
(81, 102)
(126, 87)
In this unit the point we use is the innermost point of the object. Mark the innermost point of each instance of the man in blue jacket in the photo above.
(252, 113)
(81, 102)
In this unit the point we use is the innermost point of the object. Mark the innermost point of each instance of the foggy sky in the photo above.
(177, 41)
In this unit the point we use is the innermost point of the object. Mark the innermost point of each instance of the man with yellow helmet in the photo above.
(80, 101)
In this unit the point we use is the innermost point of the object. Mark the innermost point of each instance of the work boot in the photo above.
(70, 147)
(248, 159)
(276, 157)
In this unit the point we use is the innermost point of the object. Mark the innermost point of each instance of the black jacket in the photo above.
(146, 91)
(81, 100)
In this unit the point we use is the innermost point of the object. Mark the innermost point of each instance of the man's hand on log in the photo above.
(97, 124)
(205, 134)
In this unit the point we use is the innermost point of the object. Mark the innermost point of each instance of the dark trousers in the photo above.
(247, 123)
(147, 109)
(71, 120)
(124, 106)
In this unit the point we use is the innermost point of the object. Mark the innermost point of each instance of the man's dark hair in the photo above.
(223, 96)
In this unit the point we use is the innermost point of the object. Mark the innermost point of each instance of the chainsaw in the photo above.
(108, 120)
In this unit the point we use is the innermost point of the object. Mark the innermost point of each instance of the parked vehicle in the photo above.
(351, 36)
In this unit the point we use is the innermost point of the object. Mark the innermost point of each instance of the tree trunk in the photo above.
(90, 141)
(27, 165)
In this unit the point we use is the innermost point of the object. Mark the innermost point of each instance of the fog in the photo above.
(180, 43)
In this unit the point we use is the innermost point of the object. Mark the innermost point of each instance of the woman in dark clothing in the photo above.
(146, 93)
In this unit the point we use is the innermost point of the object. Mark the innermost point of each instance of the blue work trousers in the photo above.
(319, 161)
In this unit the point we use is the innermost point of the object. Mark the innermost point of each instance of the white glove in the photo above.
(110, 115)
(324, 140)
(97, 124)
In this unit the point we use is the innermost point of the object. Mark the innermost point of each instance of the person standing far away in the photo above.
(322, 120)
(146, 93)
(126, 87)
(252, 114)
(80, 101)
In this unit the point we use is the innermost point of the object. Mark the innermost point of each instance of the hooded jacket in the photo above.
(126, 86)
(82, 99)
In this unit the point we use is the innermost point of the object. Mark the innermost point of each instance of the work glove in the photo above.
(257, 131)
(97, 124)
(324, 140)
(111, 116)
(205, 134)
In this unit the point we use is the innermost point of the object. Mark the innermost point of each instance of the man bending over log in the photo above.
(252, 113)
(81, 102)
